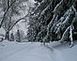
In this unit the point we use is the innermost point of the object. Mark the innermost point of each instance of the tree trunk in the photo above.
(7, 35)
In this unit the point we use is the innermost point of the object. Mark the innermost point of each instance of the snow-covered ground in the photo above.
(13, 51)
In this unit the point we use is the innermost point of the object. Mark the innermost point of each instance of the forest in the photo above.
(53, 20)
(47, 20)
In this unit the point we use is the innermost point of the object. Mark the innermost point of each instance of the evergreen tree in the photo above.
(51, 20)
(12, 37)
(18, 38)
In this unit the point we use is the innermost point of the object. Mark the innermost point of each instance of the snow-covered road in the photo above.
(11, 51)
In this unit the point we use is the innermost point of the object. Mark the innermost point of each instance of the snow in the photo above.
(71, 35)
(35, 51)
(70, 54)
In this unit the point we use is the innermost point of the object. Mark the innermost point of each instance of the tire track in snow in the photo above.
(56, 54)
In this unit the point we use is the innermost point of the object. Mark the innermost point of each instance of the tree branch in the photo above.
(18, 21)
(6, 12)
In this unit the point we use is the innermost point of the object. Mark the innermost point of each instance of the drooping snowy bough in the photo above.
(56, 21)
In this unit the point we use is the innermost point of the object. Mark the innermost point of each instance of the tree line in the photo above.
(53, 20)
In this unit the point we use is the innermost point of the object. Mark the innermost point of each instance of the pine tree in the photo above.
(12, 37)
(18, 38)
(52, 21)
